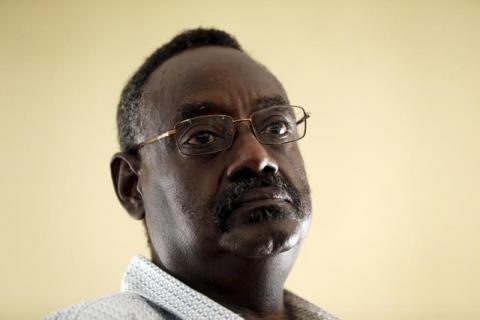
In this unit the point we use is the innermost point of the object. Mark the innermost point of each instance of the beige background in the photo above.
(393, 148)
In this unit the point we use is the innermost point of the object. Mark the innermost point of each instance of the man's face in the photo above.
(219, 211)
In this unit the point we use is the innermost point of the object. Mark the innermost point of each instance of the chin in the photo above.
(265, 238)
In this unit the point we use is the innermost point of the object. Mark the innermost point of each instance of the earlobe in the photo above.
(125, 170)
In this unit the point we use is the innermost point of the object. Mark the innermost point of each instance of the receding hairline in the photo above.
(129, 118)
(164, 71)
(164, 67)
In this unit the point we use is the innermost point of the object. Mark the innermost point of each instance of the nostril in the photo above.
(242, 175)
(245, 170)
(249, 155)
(270, 168)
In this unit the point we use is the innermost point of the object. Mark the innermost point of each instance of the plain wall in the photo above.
(392, 149)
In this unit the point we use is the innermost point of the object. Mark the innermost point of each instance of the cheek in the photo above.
(290, 162)
(181, 188)
(195, 193)
(178, 211)
(291, 165)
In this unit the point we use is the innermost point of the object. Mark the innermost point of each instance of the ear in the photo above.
(125, 170)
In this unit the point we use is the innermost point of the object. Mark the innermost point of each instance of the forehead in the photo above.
(221, 77)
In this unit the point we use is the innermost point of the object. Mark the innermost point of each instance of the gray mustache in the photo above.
(226, 201)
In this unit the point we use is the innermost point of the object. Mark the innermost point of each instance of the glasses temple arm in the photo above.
(154, 139)
(304, 118)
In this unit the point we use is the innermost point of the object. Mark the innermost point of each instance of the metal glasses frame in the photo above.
(234, 122)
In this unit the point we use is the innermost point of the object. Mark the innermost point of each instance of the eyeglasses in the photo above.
(214, 133)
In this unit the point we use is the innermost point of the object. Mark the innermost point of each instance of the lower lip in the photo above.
(262, 203)
(263, 240)
(240, 216)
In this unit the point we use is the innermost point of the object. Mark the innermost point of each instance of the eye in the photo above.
(202, 138)
(278, 128)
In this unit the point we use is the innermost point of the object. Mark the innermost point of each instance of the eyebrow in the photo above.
(269, 101)
(194, 109)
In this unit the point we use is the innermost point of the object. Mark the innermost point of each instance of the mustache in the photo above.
(226, 201)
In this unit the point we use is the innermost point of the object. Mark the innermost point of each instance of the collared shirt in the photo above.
(149, 293)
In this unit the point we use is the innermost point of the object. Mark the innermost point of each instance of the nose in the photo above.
(249, 156)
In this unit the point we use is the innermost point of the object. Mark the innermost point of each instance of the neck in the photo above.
(250, 288)
(254, 295)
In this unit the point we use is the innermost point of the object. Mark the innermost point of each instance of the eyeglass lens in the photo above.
(209, 134)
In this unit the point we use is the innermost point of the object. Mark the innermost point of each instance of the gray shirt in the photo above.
(149, 293)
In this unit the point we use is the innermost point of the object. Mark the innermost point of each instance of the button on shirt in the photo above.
(149, 293)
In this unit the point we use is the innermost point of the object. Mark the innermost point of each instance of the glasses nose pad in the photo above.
(230, 132)
(233, 130)
(248, 125)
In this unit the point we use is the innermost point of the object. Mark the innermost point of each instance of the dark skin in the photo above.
(246, 267)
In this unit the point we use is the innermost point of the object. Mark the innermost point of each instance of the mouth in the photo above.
(262, 194)
(261, 205)
(260, 217)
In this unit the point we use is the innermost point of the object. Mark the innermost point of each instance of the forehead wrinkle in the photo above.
(196, 108)
(227, 82)
(192, 109)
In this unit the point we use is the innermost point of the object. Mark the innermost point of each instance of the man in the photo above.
(210, 164)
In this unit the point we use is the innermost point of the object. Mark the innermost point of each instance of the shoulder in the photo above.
(121, 306)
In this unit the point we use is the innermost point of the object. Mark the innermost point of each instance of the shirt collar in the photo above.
(149, 281)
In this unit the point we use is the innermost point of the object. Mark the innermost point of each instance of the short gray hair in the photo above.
(129, 116)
